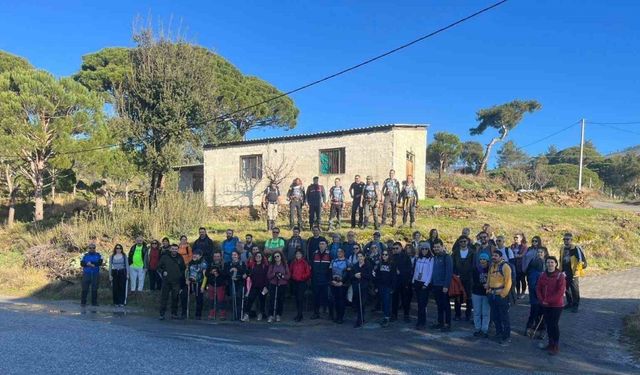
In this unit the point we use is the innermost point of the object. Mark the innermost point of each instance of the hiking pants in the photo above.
(315, 214)
(385, 298)
(500, 315)
(370, 207)
(119, 286)
(573, 291)
(521, 282)
(218, 294)
(320, 297)
(390, 201)
(339, 294)
(457, 303)
(90, 281)
(295, 209)
(356, 208)
(409, 211)
(279, 303)
(336, 211)
(535, 314)
(256, 293)
(136, 278)
(552, 318)
(299, 287)
(359, 305)
(169, 290)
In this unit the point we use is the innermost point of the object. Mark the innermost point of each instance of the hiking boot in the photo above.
(504, 342)
(259, 318)
(315, 316)
(277, 318)
(212, 314)
(174, 316)
(245, 318)
(270, 319)
(554, 349)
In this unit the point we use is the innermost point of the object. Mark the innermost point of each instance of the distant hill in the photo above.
(631, 150)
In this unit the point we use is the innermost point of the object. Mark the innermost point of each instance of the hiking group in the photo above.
(252, 281)
(366, 197)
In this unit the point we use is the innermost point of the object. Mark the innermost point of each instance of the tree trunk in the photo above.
(13, 192)
(75, 188)
(152, 189)
(487, 151)
(39, 209)
(109, 197)
(440, 169)
(126, 194)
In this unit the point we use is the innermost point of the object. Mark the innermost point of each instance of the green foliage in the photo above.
(10, 62)
(511, 156)
(471, 155)
(444, 150)
(571, 155)
(565, 177)
(105, 71)
(621, 173)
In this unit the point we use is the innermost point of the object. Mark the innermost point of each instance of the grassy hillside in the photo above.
(610, 238)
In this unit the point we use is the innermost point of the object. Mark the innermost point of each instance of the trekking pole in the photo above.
(360, 303)
(126, 290)
(233, 292)
(275, 299)
(242, 305)
(537, 326)
(215, 298)
(188, 298)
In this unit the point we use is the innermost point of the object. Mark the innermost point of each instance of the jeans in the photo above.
(402, 294)
(169, 290)
(299, 287)
(422, 294)
(500, 315)
(320, 297)
(390, 201)
(119, 286)
(573, 292)
(339, 294)
(356, 208)
(315, 214)
(385, 298)
(552, 318)
(295, 209)
(444, 307)
(136, 278)
(90, 281)
(481, 311)
(155, 281)
(277, 302)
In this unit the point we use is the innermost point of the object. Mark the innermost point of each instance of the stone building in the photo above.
(236, 173)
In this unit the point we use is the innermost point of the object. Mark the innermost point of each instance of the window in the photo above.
(251, 167)
(410, 162)
(197, 184)
(332, 161)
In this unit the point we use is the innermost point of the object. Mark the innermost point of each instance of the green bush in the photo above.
(565, 177)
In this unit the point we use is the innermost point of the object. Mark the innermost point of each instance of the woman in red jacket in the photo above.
(300, 274)
(550, 290)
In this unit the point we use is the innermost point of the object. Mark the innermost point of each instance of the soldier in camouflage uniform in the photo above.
(390, 191)
(370, 202)
(409, 201)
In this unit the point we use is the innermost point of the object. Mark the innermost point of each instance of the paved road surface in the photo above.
(57, 339)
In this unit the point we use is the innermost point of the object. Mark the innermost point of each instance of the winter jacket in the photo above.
(197, 269)
(518, 252)
(153, 255)
(381, 246)
(126, 264)
(228, 247)
(348, 248)
(480, 278)
(95, 259)
(463, 267)
(185, 252)
(258, 275)
(173, 266)
(423, 270)
(316, 195)
(386, 275)
(144, 255)
(365, 276)
(551, 288)
(442, 270)
(300, 270)
(339, 269)
(222, 278)
(320, 268)
(206, 247)
(500, 278)
(237, 276)
(294, 243)
(313, 245)
(333, 249)
(576, 259)
(403, 264)
(274, 270)
(531, 254)
(535, 269)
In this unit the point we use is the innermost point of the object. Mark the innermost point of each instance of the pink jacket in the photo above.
(273, 270)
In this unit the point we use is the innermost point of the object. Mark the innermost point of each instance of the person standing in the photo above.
(313, 243)
(355, 191)
(519, 248)
(385, 275)
(229, 245)
(204, 244)
(137, 264)
(184, 250)
(550, 290)
(369, 203)
(484, 246)
(422, 277)
(118, 273)
(499, 287)
(196, 272)
(172, 269)
(217, 279)
(339, 267)
(402, 289)
(390, 191)
(535, 269)
(481, 310)
(270, 198)
(237, 275)
(409, 201)
(91, 262)
(463, 265)
(316, 198)
(320, 278)
(293, 244)
(300, 271)
(257, 271)
(336, 196)
(440, 281)
(296, 196)
(336, 245)
(153, 255)
(278, 276)
(360, 279)
(572, 263)
(248, 244)
(375, 241)
(273, 244)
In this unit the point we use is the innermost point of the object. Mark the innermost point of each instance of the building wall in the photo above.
(412, 140)
(371, 153)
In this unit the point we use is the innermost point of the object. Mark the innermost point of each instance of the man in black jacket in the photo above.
(463, 264)
(313, 243)
(172, 268)
(355, 190)
(204, 244)
(402, 292)
(316, 198)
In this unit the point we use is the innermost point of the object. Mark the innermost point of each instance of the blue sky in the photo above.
(578, 58)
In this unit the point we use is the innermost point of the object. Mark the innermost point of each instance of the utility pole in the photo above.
(582, 123)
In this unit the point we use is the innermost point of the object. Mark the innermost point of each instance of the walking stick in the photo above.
(360, 303)
(537, 326)
(188, 298)
(275, 299)
(126, 290)
(242, 306)
(215, 298)
(233, 292)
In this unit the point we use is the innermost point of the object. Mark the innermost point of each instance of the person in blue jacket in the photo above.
(385, 274)
(440, 281)
(229, 245)
(90, 262)
(534, 269)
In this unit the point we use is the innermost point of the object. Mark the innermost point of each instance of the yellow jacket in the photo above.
(576, 264)
(499, 279)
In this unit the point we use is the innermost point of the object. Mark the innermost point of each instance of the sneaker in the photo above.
(277, 318)
(393, 319)
(245, 318)
(270, 319)
(259, 318)
(504, 342)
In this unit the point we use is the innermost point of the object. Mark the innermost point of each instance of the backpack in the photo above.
(582, 257)
(512, 293)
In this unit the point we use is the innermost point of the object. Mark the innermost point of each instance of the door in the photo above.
(410, 163)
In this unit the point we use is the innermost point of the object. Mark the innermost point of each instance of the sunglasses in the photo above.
(385, 255)
(276, 256)
(483, 238)
(566, 239)
(274, 232)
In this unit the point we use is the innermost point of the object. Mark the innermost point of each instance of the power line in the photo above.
(551, 135)
(615, 128)
(331, 76)
(614, 123)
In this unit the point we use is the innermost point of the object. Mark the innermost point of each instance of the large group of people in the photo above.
(243, 280)
(366, 197)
